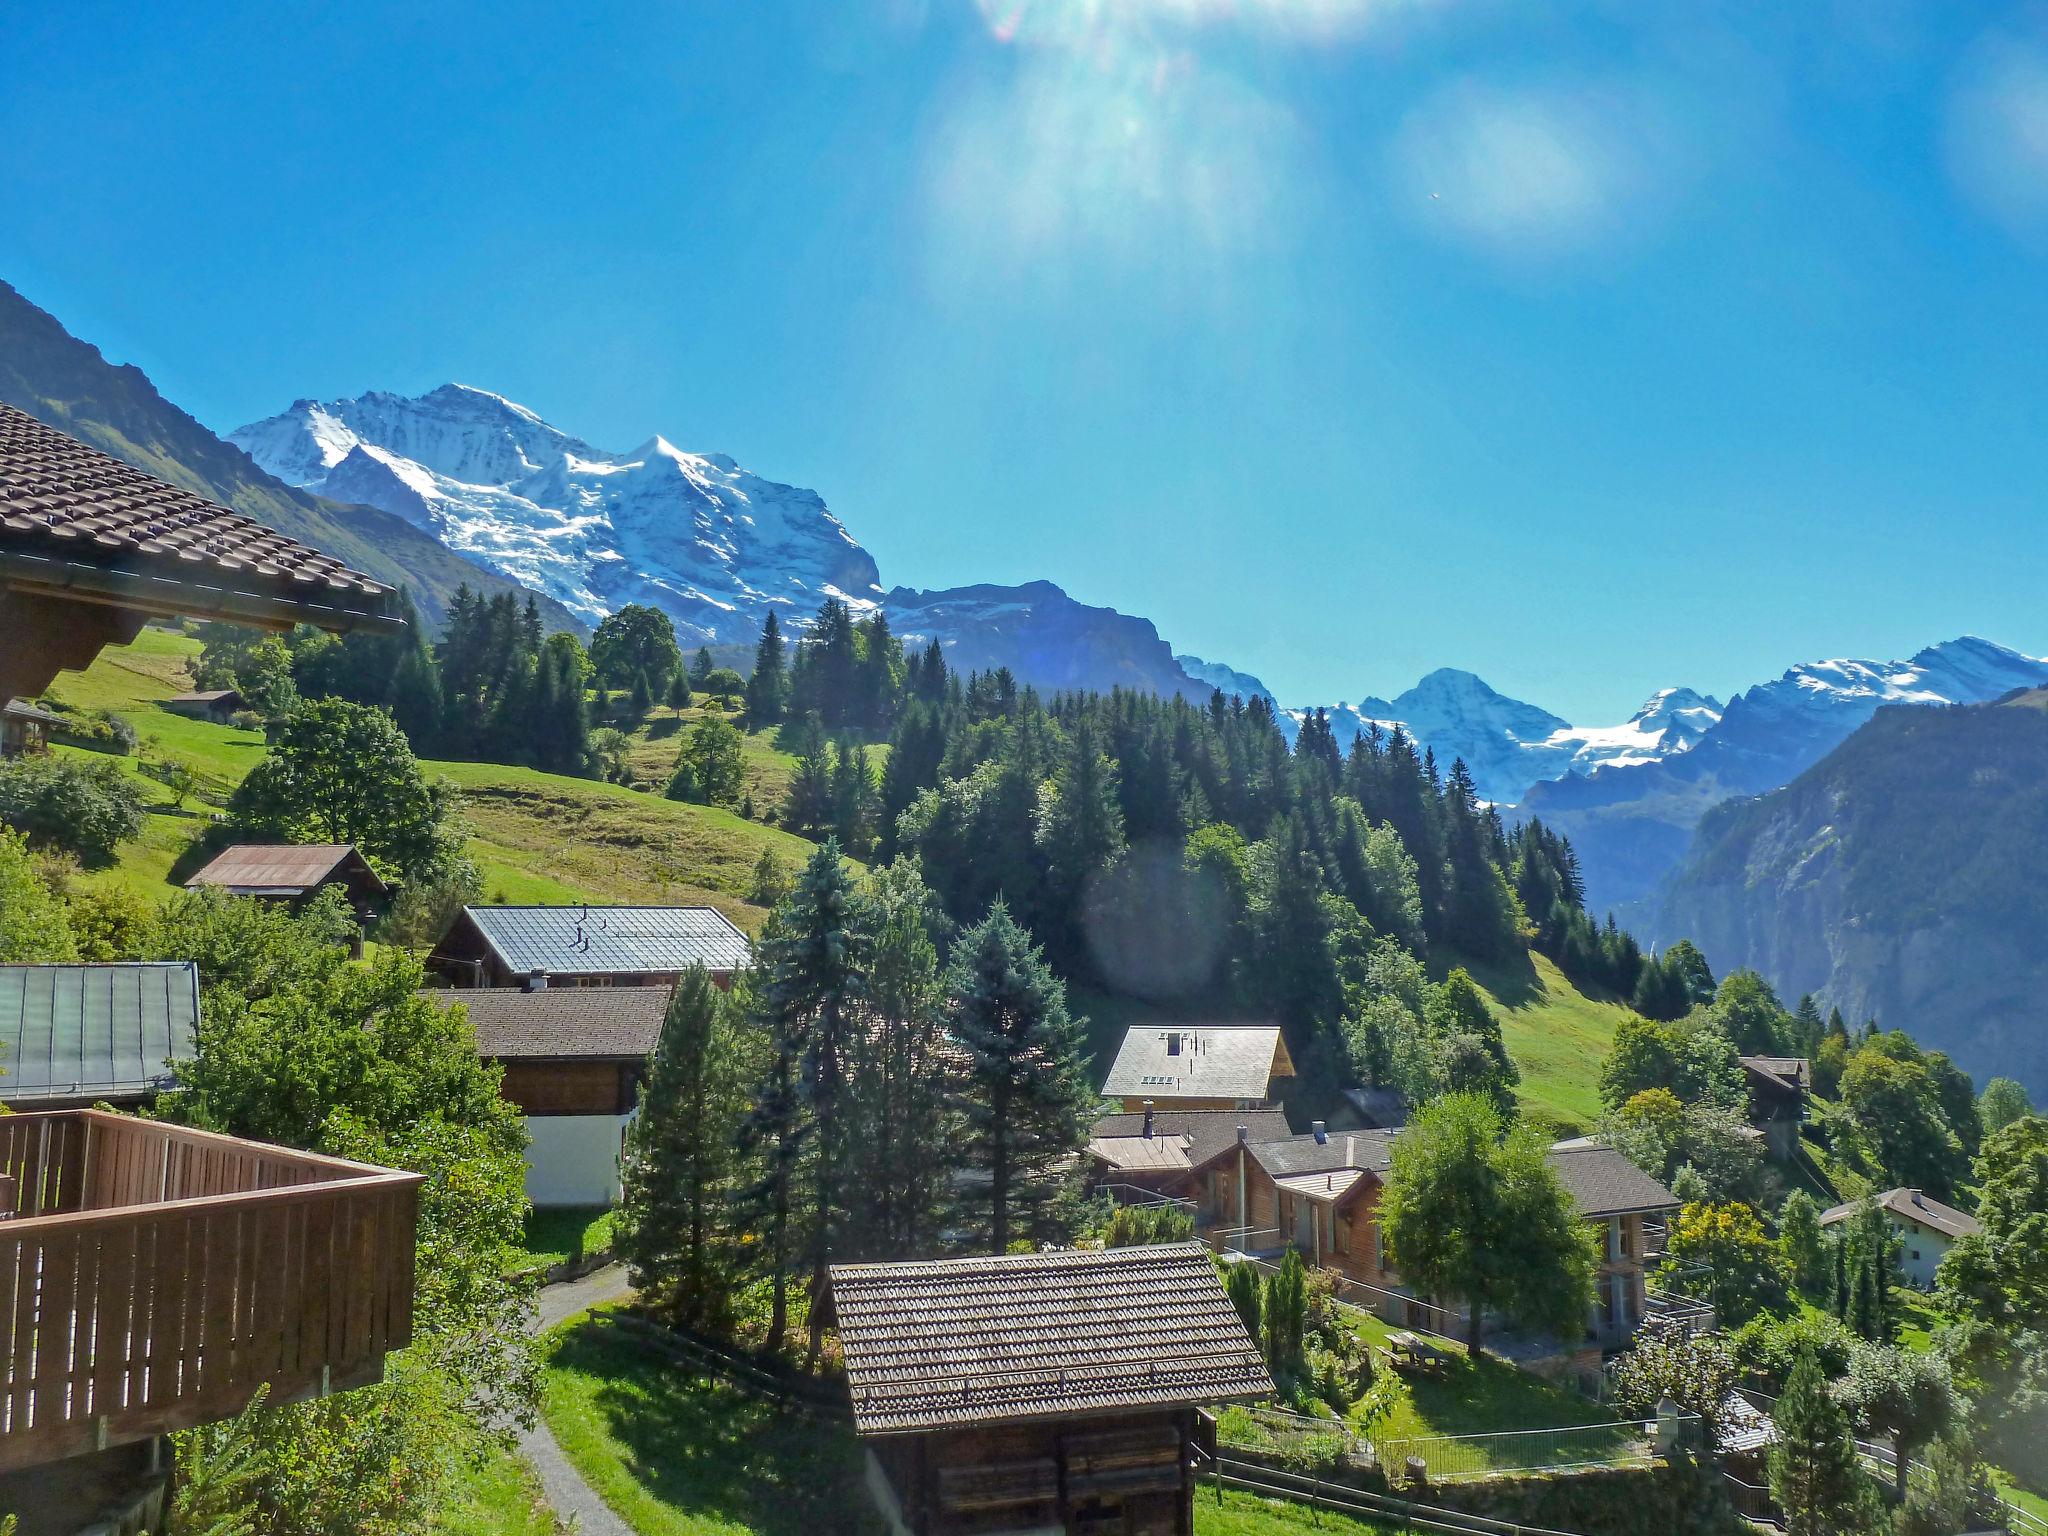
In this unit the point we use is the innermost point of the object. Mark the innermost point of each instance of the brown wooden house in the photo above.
(1779, 1087)
(585, 946)
(293, 873)
(574, 1059)
(1041, 1392)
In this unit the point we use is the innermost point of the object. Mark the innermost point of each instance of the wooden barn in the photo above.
(1042, 1392)
(293, 873)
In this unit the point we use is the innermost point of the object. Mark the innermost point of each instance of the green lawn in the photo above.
(677, 1454)
(1555, 1034)
(557, 1235)
(1244, 1514)
(501, 1498)
(1473, 1398)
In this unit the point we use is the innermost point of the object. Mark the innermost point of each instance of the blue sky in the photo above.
(1593, 347)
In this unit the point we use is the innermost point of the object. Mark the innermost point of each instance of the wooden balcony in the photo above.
(152, 1278)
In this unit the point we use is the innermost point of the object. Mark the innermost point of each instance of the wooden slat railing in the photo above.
(153, 1277)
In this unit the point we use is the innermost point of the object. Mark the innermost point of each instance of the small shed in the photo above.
(292, 873)
(24, 728)
(76, 1035)
(574, 1059)
(585, 946)
(219, 705)
(1046, 1392)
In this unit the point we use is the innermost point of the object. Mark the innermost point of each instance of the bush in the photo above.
(1138, 1226)
(83, 809)
(1771, 1345)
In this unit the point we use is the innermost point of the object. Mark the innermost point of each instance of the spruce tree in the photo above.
(681, 1162)
(1081, 832)
(679, 691)
(765, 686)
(1024, 1095)
(1241, 1285)
(1814, 1473)
(701, 666)
(807, 806)
(641, 700)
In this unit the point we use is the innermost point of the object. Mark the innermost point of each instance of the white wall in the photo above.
(573, 1159)
(1929, 1245)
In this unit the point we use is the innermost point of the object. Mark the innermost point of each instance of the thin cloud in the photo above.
(1533, 173)
(1998, 134)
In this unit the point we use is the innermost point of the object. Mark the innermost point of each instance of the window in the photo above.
(1340, 1233)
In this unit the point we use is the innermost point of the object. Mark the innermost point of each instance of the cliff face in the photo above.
(1900, 878)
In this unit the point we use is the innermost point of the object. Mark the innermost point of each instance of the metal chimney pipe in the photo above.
(1322, 1132)
(1148, 1119)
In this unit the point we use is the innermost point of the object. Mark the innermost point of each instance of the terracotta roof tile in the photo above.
(1039, 1335)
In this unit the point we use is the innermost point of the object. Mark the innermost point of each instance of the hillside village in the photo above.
(858, 1097)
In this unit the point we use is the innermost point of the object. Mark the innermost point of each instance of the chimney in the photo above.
(536, 981)
(1351, 1151)
(1322, 1132)
(1148, 1119)
(1244, 1134)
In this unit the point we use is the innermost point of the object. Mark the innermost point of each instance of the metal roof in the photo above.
(580, 941)
(1039, 1335)
(558, 1023)
(1198, 1061)
(283, 868)
(94, 1031)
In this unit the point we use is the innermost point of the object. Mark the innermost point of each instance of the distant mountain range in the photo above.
(1898, 878)
(57, 378)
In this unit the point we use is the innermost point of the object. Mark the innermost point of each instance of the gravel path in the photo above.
(574, 1501)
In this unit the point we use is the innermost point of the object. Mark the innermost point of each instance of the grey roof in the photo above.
(94, 1031)
(1209, 1131)
(1787, 1072)
(1912, 1205)
(560, 1023)
(1602, 1182)
(595, 940)
(21, 709)
(1039, 1335)
(1372, 1151)
(1215, 1061)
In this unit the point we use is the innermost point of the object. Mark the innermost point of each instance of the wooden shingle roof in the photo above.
(282, 869)
(1039, 1335)
(77, 522)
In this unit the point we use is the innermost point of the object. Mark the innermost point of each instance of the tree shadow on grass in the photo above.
(708, 1450)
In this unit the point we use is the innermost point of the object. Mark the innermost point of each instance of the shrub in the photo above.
(84, 809)
(1137, 1226)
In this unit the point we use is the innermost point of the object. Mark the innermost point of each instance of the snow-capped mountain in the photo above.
(1228, 679)
(1631, 822)
(693, 534)
(1510, 745)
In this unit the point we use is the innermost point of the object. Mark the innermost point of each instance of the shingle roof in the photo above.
(21, 709)
(281, 868)
(1161, 1152)
(562, 1022)
(1602, 1182)
(75, 519)
(1214, 1061)
(1039, 1335)
(94, 1031)
(1914, 1206)
(1372, 1151)
(1208, 1131)
(586, 940)
(1786, 1072)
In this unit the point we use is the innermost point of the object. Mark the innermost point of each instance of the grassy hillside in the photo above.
(537, 836)
(1555, 1034)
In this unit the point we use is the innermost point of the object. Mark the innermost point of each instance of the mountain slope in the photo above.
(1510, 745)
(57, 378)
(1899, 878)
(1631, 824)
(712, 545)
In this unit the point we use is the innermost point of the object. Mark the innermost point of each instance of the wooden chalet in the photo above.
(1042, 1392)
(293, 873)
(585, 946)
(1779, 1087)
(74, 1035)
(24, 728)
(1176, 1153)
(574, 1059)
(92, 548)
(1199, 1066)
(219, 705)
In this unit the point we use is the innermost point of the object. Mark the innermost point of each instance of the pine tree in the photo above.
(855, 805)
(701, 666)
(765, 686)
(1814, 1474)
(1024, 1096)
(807, 806)
(681, 1162)
(641, 700)
(1241, 1285)
(1799, 1241)
(1082, 832)
(679, 691)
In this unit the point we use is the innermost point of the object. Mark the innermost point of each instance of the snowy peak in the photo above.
(1450, 702)
(695, 535)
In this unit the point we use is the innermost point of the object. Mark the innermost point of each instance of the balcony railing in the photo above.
(152, 1278)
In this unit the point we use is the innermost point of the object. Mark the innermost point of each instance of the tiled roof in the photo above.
(1912, 1205)
(1039, 1335)
(1213, 1061)
(1372, 1151)
(94, 1031)
(1208, 1131)
(281, 868)
(558, 1023)
(594, 940)
(75, 519)
(1602, 1182)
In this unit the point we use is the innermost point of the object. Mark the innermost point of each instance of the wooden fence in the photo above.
(153, 1277)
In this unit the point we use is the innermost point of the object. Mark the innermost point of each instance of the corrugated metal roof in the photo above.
(1039, 1335)
(1197, 1061)
(599, 940)
(261, 868)
(562, 1022)
(94, 1031)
